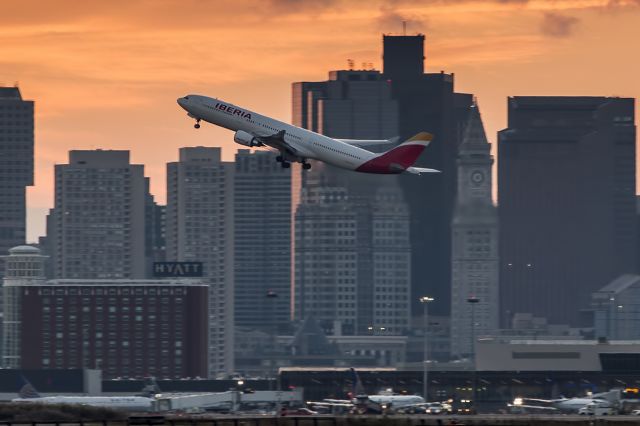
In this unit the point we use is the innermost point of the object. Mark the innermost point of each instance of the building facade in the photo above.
(127, 328)
(474, 243)
(199, 228)
(16, 166)
(352, 261)
(97, 226)
(351, 241)
(567, 174)
(615, 309)
(262, 238)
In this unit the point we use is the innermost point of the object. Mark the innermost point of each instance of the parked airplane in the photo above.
(28, 394)
(570, 405)
(299, 145)
(373, 403)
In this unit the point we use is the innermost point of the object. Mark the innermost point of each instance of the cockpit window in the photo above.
(186, 97)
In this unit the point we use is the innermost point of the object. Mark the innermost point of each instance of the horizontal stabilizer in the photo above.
(370, 142)
(421, 170)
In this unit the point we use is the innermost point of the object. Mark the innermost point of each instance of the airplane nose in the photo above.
(183, 102)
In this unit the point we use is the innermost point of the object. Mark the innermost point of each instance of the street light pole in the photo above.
(272, 297)
(425, 350)
(472, 355)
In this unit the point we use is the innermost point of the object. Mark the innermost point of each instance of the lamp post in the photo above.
(472, 300)
(272, 297)
(425, 371)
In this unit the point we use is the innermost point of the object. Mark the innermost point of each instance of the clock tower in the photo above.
(474, 284)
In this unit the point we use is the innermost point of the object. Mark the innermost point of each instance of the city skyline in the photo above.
(101, 79)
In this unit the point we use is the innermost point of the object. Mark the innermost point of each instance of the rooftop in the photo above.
(10, 93)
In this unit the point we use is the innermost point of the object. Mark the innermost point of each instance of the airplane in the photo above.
(362, 402)
(28, 394)
(296, 144)
(570, 405)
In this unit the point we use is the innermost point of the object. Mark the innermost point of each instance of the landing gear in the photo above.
(279, 159)
(285, 164)
(306, 166)
(197, 125)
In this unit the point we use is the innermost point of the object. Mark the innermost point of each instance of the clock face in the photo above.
(477, 177)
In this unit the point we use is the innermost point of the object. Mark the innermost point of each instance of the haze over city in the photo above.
(106, 74)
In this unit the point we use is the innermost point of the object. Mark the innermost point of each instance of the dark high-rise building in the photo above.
(427, 102)
(567, 178)
(16, 166)
(408, 101)
(403, 56)
(262, 239)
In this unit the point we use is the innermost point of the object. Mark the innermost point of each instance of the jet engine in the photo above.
(246, 139)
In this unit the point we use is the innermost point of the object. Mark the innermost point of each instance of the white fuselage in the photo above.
(397, 400)
(307, 144)
(130, 403)
(575, 404)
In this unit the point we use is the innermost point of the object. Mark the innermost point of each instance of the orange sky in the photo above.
(105, 74)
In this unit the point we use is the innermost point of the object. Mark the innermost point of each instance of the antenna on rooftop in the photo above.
(404, 27)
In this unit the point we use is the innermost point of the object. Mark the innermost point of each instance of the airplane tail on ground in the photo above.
(27, 391)
(358, 388)
(400, 158)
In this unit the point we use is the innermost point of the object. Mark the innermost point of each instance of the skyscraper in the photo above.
(262, 215)
(566, 202)
(199, 227)
(97, 225)
(428, 102)
(352, 265)
(16, 166)
(474, 242)
(352, 259)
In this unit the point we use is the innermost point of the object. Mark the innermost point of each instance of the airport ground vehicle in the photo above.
(597, 409)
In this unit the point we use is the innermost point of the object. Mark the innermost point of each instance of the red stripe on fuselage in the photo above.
(394, 161)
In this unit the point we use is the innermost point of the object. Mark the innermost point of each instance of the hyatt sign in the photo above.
(177, 269)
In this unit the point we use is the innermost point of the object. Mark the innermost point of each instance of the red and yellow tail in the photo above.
(398, 159)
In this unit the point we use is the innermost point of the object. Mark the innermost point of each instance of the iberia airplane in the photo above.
(299, 145)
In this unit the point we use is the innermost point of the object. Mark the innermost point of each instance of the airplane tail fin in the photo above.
(358, 388)
(27, 391)
(399, 158)
(150, 388)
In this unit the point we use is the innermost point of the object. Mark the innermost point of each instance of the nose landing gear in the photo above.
(197, 125)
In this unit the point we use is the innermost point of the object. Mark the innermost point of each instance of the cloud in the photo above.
(294, 6)
(391, 19)
(556, 25)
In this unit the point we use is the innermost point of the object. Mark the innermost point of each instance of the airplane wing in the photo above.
(533, 408)
(369, 142)
(420, 170)
(330, 404)
(277, 141)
